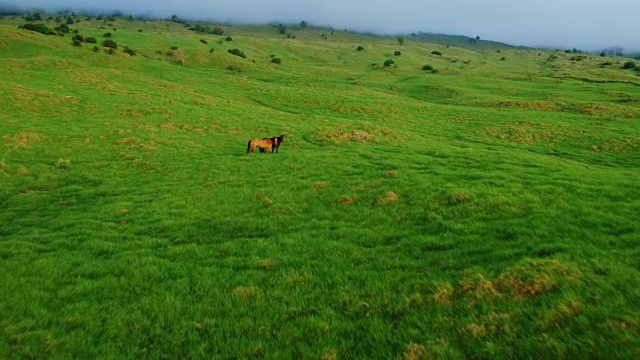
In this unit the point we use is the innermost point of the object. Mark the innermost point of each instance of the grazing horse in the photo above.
(275, 142)
(264, 145)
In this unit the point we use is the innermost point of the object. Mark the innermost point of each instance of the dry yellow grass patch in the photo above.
(22, 171)
(266, 264)
(443, 294)
(415, 352)
(23, 139)
(266, 202)
(246, 293)
(330, 355)
(389, 198)
(320, 185)
(127, 140)
(391, 174)
(345, 200)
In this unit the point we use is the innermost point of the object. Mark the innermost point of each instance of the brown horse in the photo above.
(275, 141)
(264, 145)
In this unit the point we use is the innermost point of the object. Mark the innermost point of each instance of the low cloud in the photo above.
(585, 24)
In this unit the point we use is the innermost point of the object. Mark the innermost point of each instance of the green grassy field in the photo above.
(486, 210)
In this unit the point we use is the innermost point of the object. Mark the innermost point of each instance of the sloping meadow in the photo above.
(484, 210)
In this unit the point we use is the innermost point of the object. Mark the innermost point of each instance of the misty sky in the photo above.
(584, 24)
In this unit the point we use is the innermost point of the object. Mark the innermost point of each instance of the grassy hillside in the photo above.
(487, 208)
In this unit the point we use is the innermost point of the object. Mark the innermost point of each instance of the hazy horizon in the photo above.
(585, 25)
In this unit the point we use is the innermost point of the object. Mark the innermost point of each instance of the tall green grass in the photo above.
(488, 210)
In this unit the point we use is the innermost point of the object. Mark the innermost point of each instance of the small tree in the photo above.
(218, 31)
(603, 54)
(110, 44)
(237, 52)
(282, 29)
(400, 40)
(397, 53)
(69, 20)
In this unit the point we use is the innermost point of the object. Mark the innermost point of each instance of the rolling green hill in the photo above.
(484, 208)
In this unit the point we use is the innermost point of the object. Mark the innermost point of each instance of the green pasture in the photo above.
(488, 209)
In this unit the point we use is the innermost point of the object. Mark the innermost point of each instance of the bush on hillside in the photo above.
(229, 38)
(130, 51)
(276, 60)
(90, 40)
(95, 49)
(237, 52)
(629, 65)
(218, 31)
(39, 28)
(427, 68)
(397, 53)
(436, 52)
(388, 63)
(77, 42)
(110, 44)
(63, 28)
(78, 37)
(360, 48)
(107, 35)
(204, 41)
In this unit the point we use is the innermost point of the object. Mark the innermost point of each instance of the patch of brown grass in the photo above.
(127, 140)
(415, 352)
(266, 202)
(476, 330)
(345, 200)
(391, 174)
(458, 198)
(561, 315)
(246, 293)
(443, 294)
(266, 264)
(320, 185)
(389, 198)
(23, 140)
(330, 355)
(23, 171)
(535, 277)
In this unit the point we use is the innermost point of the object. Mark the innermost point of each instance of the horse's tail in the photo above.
(248, 146)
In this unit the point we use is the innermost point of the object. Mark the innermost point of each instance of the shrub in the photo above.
(400, 40)
(218, 31)
(174, 48)
(64, 28)
(111, 51)
(95, 49)
(360, 48)
(237, 52)
(39, 28)
(629, 65)
(77, 42)
(211, 51)
(397, 53)
(436, 52)
(110, 44)
(503, 58)
(78, 37)
(130, 51)
(69, 21)
(63, 163)
(276, 61)
(388, 63)
(606, 63)
(229, 38)
(107, 35)
(90, 40)
(203, 41)
(427, 67)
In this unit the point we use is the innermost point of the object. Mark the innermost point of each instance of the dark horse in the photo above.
(275, 143)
